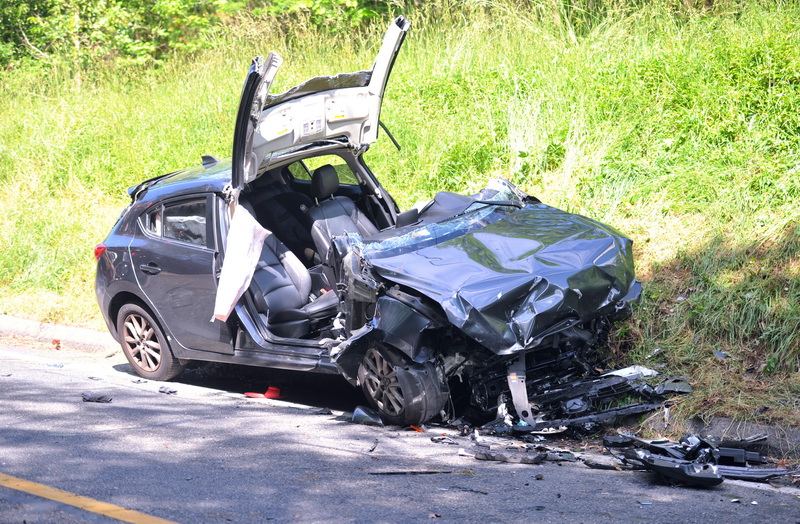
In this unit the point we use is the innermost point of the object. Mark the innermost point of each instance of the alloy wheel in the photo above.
(142, 342)
(381, 383)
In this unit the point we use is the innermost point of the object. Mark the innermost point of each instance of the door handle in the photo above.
(150, 268)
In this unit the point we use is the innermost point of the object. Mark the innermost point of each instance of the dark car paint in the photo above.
(243, 339)
(517, 240)
(537, 271)
(179, 280)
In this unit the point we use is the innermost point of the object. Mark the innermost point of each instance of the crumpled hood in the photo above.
(535, 272)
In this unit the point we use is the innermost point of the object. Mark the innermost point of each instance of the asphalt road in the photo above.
(210, 454)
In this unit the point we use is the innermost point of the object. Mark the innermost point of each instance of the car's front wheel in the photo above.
(145, 345)
(403, 392)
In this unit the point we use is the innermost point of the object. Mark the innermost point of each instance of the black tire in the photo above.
(404, 393)
(145, 345)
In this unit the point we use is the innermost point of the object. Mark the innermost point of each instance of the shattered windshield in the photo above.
(480, 213)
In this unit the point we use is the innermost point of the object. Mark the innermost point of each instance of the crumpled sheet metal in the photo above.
(534, 272)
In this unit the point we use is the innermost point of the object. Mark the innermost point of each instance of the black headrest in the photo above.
(324, 182)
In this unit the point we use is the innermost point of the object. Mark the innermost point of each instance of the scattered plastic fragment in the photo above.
(273, 393)
(538, 476)
(736, 501)
(374, 445)
(89, 396)
(366, 416)
(721, 354)
(323, 411)
(464, 453)
(443, 439)
(412, 472)
(674, 385)
(703, 461)
(94, 378)
(617, 441)
(418, 429)
(653, 353)
(677, 470)
(167, 390)
(138, 381)
(511, 458)
(645, 502)
(633, 372)
(754, 503)
(561, 456)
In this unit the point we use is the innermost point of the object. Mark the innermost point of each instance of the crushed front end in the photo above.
(509, 298)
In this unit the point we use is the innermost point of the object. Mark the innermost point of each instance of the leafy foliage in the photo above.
(137, 31)
(87, 30)
(330, 14)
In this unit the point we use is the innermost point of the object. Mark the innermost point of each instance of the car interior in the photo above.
(293, 283)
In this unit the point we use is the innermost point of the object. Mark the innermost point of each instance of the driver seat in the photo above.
(281, 289)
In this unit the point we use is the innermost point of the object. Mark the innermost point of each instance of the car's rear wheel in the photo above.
(403, 392)
(145, 345)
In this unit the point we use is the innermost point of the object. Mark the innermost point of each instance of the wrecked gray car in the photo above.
(292, 255)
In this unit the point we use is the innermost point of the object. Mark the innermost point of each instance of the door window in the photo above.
(182, 221)
(186, 222)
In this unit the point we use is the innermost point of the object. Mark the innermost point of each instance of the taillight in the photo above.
(99, 249)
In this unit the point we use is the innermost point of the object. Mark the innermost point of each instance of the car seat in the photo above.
(281, 289)
(333, 215)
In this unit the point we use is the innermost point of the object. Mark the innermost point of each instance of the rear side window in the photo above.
(186, 222)
(152, 222)
(182, 221)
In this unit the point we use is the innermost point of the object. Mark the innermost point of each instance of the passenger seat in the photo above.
(333, 215)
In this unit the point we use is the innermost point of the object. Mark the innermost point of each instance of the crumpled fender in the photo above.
(396, 324)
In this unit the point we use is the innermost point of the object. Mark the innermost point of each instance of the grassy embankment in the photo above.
(682, 130)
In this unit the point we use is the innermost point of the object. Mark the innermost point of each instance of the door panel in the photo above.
(179, 276)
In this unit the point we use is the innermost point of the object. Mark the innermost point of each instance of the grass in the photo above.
(677, 126)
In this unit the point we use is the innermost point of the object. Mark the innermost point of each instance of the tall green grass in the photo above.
(677, 125)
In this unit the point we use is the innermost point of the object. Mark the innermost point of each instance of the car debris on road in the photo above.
(698, 461)
(89, 396)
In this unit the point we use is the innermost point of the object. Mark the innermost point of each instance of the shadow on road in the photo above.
(311, 389)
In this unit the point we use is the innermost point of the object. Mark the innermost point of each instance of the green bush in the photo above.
(122, 30)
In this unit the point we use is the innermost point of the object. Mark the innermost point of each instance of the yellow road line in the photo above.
(84, 503)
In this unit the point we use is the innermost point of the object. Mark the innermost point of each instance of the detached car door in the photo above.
(175, 259)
